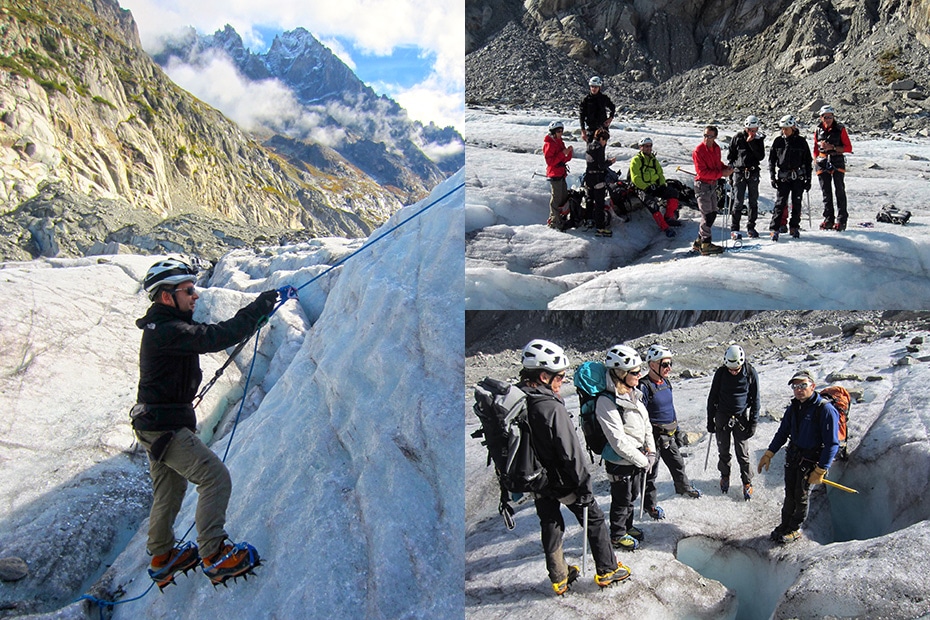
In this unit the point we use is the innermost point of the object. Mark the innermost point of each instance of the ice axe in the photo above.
(839, 486)
(584, 551)
(680, 169)
(707, 458)
(809, 223)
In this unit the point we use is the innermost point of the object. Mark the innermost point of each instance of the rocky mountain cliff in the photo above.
(707, 61)
(99, 149)
(371, 132)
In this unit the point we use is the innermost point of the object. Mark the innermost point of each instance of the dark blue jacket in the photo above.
(658, 401)
(734, 395)
(812, 427)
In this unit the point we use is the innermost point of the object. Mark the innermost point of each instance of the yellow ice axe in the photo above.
(839, 486)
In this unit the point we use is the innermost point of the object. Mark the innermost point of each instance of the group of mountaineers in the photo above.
(791, 166)
(629, 423)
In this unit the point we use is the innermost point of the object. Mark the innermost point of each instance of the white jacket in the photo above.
(628, 434)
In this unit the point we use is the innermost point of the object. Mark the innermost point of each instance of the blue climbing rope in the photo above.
(285, 293)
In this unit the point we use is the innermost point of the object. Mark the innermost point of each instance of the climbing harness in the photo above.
(285, 293)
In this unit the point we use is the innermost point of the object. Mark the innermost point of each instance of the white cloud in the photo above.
(339, 51)
(433, 99)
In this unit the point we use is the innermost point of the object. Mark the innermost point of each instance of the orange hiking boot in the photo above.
(165, 565)
(231, 561)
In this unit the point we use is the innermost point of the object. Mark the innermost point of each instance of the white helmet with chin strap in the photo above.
(657, 352)
(734, 357)
(623, 358)
(596, 81)
(167, 272)
(556, 125)
(544, 355)
(751, 121)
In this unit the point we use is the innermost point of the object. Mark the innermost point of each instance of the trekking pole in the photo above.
(809, 223)
(839, 486)
(707, 458)
(584, 548)
(642, 496)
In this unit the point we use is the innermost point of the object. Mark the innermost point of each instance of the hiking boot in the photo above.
(561, 587)
(656, 513)
(782, 229)
(708, 248)
(179, 559)
(604, 232)
(696, 246)
(795, 232)
(776, 534)
(827, 225)
(773, 234)
(753, 234)
(625, 542)
(735, 235)
(840, 226)
(790, 537)
(636, 533)
(230, 561)
(691, 492)
(747, 492)
(724, 484)
(669, 233)
(618, 574)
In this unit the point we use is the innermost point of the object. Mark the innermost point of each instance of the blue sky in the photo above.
(411, 50)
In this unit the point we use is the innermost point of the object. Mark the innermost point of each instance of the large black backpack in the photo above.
(501, 408)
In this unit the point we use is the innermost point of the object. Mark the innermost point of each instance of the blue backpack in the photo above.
(590, 382)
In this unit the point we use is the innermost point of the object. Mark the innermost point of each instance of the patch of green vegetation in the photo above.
(887, 71)
(102, 101)
(275, 191)
(147, 113)
(889, 54)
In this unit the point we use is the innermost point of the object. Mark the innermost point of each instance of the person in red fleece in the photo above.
(831, 143)
(709, 168)
(557, 157)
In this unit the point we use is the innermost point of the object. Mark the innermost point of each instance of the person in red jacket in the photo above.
(557, 157)
(831, 143)
(709, 168)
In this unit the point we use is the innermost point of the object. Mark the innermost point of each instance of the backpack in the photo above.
(501, 408)
(839, 397)
(590, 382)
(685, 193)
(573, 211)
(890, 214)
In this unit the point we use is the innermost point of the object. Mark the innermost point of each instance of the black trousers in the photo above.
(797, 491)
(787, 190)
(743, 180)
(549, 511)
(740, 446)
(666, 451)
(625, 483)
(830, 181)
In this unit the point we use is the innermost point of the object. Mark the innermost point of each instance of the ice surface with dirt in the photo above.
(514, 261)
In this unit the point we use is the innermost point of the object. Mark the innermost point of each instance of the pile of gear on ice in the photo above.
(629, 422)
(718, 186)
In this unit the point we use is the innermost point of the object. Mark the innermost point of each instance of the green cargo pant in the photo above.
(186, 458)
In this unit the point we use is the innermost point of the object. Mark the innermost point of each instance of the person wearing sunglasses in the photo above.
(732, 414)
(557, 447)
(709, 169)
(630, 450)
(810, 427)
(596, 110)
(165, 424)
(657, 396)
(831, 143)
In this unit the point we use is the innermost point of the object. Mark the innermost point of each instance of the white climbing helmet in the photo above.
(596, 81)
(734, 357)
(168, 271)
(645, 141)
(556, 125)
(657, 352)
(751, 121)
(623, 358)
(544, 355)
(827, 109)
(787, 120)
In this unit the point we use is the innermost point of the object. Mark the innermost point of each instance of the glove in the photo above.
(710, 427)
(287, 292)
(585, 499)
(817, 475)
(766, 460)
(750, 430)
(651, 457)
(652, 187)
(266, 301)
(774, 184)
(807, 185)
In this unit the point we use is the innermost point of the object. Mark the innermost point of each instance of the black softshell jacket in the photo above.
(169, 360)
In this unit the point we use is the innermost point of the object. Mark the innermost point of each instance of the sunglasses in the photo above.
(636, 371)
(190, 290)
(709, 135)
(665, 365)
(800, 386)
(560, 376)
(828, 117)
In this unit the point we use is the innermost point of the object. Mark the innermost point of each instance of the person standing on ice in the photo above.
(557, 447)
(657, 395)
(597, 110)
(646, 174)
(790, 171)
(165, 424)
(630, 450)
(708, 168)
(733, 411)
(557, 157)
(595, 179)
(810, 422)
(745, 155)
(831, 143)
